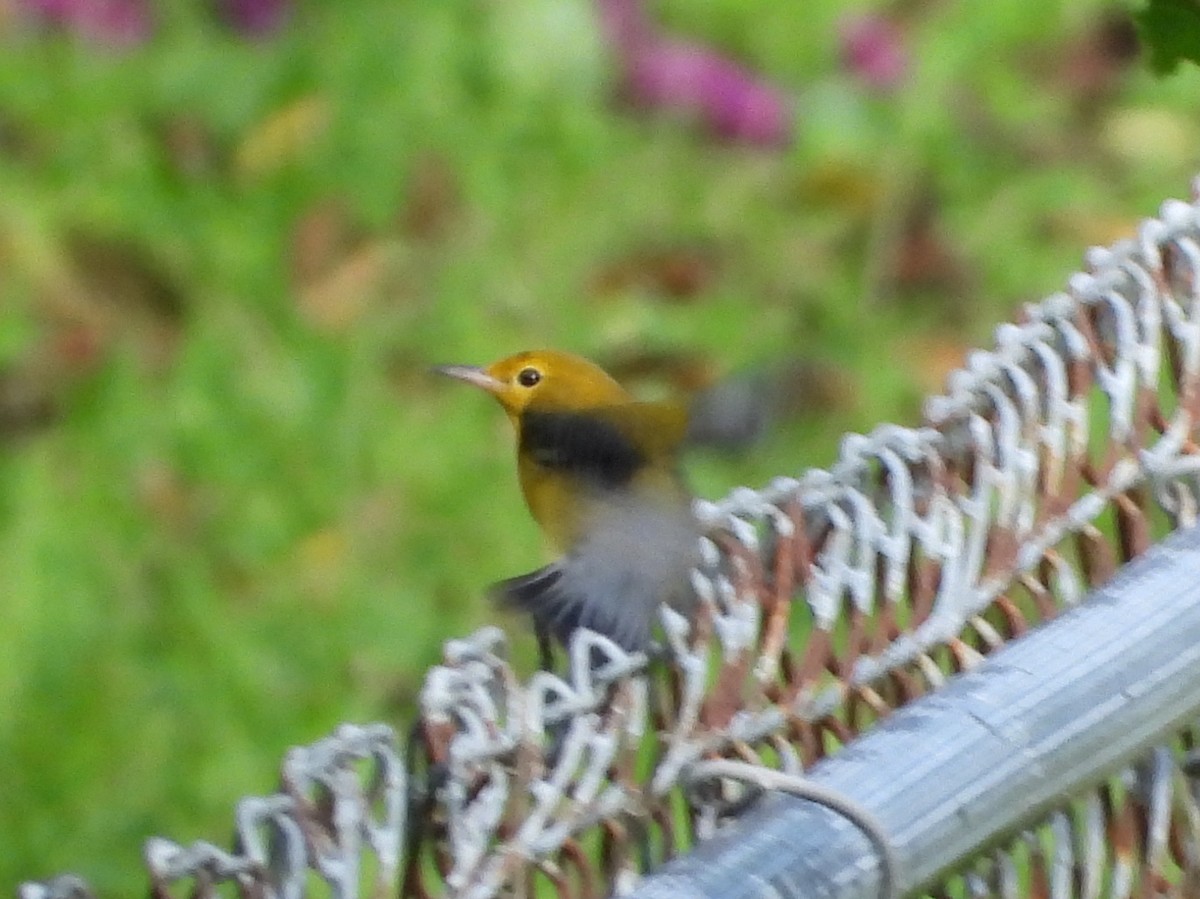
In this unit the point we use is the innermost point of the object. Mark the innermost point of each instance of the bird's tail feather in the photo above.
(559, 605)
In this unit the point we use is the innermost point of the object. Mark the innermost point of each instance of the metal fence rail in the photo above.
(997, 748)
(827, 602)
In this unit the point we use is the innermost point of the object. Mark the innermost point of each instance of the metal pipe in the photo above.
(993, 751)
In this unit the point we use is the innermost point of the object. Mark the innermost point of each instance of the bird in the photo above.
(600, 473)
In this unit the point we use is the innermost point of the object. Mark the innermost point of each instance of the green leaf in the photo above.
(1171, 30)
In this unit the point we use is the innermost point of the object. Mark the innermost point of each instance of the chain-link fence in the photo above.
(827, 602)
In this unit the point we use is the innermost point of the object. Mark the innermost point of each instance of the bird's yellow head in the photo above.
(542, 379)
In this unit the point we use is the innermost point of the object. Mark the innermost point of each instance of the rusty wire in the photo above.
(827, 600)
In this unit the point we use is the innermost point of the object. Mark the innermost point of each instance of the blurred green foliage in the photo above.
(235, 510)
(1171, 29)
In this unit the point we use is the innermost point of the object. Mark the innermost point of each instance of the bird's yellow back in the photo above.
(582, 439)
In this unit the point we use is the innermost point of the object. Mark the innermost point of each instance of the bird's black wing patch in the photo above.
(582, 445)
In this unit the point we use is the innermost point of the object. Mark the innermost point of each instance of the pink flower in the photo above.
(115, 23)
(873, 51)
(126, 23)
(663, 73)
(256, 18)
(625, 23)
(682, 76)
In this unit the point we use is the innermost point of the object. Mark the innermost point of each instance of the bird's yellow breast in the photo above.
(566, 507)
(553, 503)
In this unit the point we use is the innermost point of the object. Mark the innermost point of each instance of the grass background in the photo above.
(234, 508)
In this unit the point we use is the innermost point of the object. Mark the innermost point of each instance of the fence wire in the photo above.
(827, 601)
(996, 749)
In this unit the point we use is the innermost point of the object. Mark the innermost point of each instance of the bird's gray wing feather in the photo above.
(634, 556)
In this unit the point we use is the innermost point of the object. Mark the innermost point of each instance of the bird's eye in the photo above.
(527, 377)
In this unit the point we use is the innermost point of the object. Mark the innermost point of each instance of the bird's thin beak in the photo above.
(472, 374)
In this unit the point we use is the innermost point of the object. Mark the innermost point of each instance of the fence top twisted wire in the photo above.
(825, 601)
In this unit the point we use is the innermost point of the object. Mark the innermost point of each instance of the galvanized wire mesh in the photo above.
(1137, 834)
(1055, 714)
(826, 602)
